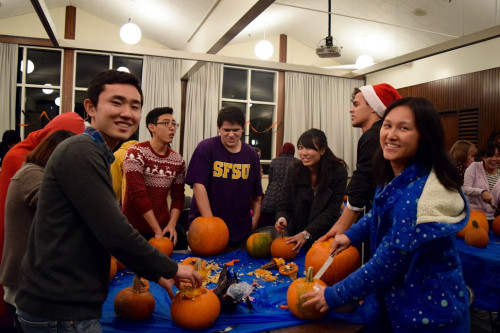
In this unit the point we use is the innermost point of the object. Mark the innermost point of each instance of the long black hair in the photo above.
(316, 139)
(431, 152)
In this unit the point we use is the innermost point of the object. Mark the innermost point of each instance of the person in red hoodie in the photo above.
(12, 162)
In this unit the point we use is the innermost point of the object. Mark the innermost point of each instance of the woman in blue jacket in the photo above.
(415, 272)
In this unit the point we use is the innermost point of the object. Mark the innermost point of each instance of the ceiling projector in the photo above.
(328, 51)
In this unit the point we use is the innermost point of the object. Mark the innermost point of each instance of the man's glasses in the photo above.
(168, 124)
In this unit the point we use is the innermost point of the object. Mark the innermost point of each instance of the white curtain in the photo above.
(202, 106)
(8, 77)
(161, 86)
(323, 102)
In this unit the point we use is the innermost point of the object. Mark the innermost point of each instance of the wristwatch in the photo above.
(306, 235)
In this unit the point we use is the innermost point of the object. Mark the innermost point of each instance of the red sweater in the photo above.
(150, 177)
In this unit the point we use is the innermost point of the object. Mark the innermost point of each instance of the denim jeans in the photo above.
(33, 324)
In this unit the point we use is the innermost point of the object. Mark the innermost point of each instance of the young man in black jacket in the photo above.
(78, 222)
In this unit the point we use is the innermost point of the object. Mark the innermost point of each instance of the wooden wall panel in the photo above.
(476, 90)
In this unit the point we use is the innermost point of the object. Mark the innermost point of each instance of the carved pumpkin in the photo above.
(289, 270)
(164, 244)
(198, 265)
(195, 308)
(134, 302)
(112, 269)
(280, 249)
(295, 302)
(495, 226)
(344, 263)
(481, 219)
(208, 236)
(476, 236)
(259, 244)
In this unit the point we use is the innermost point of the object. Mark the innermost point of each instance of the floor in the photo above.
(480, 321)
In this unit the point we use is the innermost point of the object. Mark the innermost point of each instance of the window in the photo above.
(38, 87)
(254, 91)
(89, 65)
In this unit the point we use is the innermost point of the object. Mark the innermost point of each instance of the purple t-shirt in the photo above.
(231, 180)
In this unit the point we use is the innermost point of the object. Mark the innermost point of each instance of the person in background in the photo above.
(277, 173)
(153, 172)
(463, 153)
(224, 173)
(116, 170)
(415, 271)
(20, 207)
(9, 139)
(312, 191)
(78, 224)
(482, 181)
(259, 153)
(13, 161)
(368, 107)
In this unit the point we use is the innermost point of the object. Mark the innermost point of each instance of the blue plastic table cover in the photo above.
(481, 268)
(267, 299)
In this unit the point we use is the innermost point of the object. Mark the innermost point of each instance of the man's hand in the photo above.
(185, 273)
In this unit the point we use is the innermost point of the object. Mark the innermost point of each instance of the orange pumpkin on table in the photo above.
(195, 308)
(344, 263)
(112, 268)
(476, 236)
(134, 302)
(280, 249)
(294, 300)
(164, 244)
(481, 219)
(208, 236)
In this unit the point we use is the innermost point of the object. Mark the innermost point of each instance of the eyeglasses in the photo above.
(168, 124)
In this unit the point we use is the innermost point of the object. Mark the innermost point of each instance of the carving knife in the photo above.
(325, 266)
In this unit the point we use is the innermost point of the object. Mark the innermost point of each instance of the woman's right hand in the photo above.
(487, 198)
(339, 244)
(280, 225)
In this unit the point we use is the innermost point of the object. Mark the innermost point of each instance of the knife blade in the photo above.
(325, 266)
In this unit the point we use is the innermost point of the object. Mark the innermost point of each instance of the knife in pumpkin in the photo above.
(325, 266)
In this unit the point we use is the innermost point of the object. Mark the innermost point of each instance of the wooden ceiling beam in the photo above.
(43, 14)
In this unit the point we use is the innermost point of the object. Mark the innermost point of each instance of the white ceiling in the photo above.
(385, 29)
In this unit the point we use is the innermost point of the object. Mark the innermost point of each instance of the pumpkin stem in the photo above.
(137, 284)
(309, 274)
(197, 265)
(475, 225)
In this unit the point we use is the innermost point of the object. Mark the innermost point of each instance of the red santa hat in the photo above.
(379, 96)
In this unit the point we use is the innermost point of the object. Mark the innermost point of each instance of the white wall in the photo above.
(470, 59)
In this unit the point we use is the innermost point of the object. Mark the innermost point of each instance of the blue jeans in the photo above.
(33, 324)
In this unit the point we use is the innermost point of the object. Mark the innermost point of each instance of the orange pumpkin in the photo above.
(476, 236)
(199, 265)
(495, 226)
(134, 302)
(289, 270)
(280, 249)
(164, 244)
(481, 219)
(344, 263)
(195, 308)
(112, 269)
(294, 300)
(119, 265)
(208, 236)
(259, 244)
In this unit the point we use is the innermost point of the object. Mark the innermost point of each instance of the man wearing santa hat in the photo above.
(368, 107)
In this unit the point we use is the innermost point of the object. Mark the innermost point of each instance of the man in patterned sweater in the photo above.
(152, 172)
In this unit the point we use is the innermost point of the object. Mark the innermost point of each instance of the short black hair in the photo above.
(112, 76)
(231, 114)
(489, 149)
(153, 115)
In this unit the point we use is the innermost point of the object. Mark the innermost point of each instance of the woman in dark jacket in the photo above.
(312, 191)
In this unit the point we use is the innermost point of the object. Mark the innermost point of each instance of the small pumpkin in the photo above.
(134, 302)
(164, 244)
(294, 300)
(195, 308)
(495, 226)
(289, 270)
(476, 236)
(112, 268)
(344, 263)
(208, 236)
(480, 218)
(280, 249)
(259, 244)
